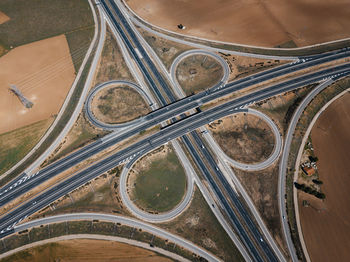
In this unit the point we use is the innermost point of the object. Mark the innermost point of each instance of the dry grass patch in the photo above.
(81, 134)
(16, 144)
(112, 64)
(262, 189)
(196, 73)
(99, 195)
(166, 50)
(244, 137)
(199, 225)
(119, 104)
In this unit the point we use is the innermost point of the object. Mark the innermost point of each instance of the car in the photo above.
(261, 240)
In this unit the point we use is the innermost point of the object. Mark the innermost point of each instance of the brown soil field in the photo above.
(325, 224)
(198, 72)
(119, 104)
(3, 18)
(44, 72)
(244, 137)
(252, 22)
(86, 250)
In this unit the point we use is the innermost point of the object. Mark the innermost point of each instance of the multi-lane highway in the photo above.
(17, 185)
(177, 129)
(171, 132)
(144, 61)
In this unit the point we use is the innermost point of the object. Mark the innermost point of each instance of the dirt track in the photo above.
(325, 224)
(252, 22)
(44, 72)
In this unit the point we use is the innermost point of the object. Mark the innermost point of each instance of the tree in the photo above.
(317, 182)
(313, 159)
(320, 195)
(297, 185)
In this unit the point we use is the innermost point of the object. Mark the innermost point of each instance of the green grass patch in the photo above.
(14, 145)
(78, 42)
(162, 185)
(39, 19)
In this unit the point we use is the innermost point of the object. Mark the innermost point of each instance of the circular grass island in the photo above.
(157, 181)
(244, 137)
(198, 72)
(118, 104)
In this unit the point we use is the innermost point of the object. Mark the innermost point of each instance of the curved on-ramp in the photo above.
(146, 216)
(104, 85)
(188, 53)
(125, 221)
(261, 165)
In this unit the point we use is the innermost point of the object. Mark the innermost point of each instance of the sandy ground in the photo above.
(88, 250)
(3, 18)
(253, 22)
(44, 72)
(325, 224)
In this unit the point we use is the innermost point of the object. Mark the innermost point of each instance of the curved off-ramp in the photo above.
(257, 166)
(125, 221)
(104, 85)
(188, 53)
(160, 217)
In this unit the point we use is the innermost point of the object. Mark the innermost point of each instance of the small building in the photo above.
(181, 26)
(309, 171)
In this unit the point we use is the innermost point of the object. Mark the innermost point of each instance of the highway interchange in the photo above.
(254, 241)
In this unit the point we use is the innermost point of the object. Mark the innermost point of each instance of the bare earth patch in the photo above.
(3, 18)
(44, 72)
(244, 137)
(325, 224)
(198, 72)
(241, 66)
(119, 104)
(86, 250)
(253, 22)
